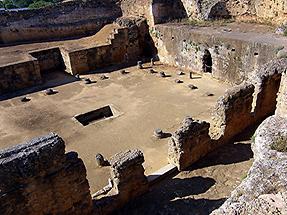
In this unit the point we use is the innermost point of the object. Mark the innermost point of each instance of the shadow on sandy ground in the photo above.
(52, 79)
(178, 196)
(174, 196)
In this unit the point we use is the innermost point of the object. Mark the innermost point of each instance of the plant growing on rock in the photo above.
(280, 143)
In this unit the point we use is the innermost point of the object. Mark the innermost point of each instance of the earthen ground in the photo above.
(146, 102)
(200, 189)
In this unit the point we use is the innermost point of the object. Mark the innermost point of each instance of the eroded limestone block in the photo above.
(264, 191)
(40, 168)
(236, 101)
(127, 173)
(189, 143)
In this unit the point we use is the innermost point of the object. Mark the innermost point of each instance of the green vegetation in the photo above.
(32, 4)
(40, 4)
(285, 33)
(280, 143)
(8, 4)
(243, 176)
(205, 23)
(253, 138)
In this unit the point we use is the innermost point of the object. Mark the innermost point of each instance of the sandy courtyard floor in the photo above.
(145, 102)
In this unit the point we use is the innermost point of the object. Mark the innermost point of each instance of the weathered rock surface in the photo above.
(127, 180)
(39, 178)
(190, 142)
(264, 191)
(282, 97)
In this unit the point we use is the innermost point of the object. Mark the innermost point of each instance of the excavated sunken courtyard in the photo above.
(144, 107)
(140, 102)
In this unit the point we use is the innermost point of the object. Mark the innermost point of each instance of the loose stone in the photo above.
(24, 99)
(140, 65)
(209, 94)
(192, 87)
(162, 74)
(87, 81)
(100, 160)
(123, 72)
(103, 77)
(178, 81)
(158, 133)
(50, 91)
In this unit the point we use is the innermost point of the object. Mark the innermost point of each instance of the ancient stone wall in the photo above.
(127, 181)
(155, 11)
(19, 75)
(233, 59)
(271, 11)
(69, 19)
(141, 8)
(189, 143)
(39, 178)
(129, 42)
(233, 113)
(267, 82)
(124, 46)
(236, 102)
(158, 11)
(49, 59)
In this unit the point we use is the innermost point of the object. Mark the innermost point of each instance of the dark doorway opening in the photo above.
(219, 11)
(95, 115)
(207, 61)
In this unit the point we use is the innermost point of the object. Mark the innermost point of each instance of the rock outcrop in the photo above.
(264, 191)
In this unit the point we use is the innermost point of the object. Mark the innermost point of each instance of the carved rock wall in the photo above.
(235, 102)
(274, 11)
(189, 143)
(39, 178)
(49, 59)
(69, 19)
(233, 59)
(127, 181)
(158, 11)
(20, 75)
(233, 113)
(124, 46)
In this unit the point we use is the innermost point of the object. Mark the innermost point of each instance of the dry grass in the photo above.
(280, 144)
(204, 23)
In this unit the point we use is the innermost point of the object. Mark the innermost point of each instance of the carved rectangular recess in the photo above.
(95, 115)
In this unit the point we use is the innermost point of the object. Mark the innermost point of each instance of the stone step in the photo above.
(161, 173)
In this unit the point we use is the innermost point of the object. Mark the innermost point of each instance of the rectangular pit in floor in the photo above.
(95, 115)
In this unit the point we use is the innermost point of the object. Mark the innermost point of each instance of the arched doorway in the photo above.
(207, 61)
(219, 11)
